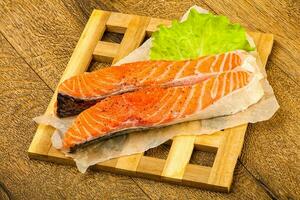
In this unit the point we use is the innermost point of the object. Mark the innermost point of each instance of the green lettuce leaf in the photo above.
(199, 35)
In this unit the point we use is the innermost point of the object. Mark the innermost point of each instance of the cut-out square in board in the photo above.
(160, 151)
(145, 39)
(108, 46)
(94, 65)
(202, 158)
(112, 37)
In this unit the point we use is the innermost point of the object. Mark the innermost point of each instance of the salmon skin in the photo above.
(161, 106)
(81, 92)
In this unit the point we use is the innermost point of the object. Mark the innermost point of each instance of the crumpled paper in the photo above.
(138, 142)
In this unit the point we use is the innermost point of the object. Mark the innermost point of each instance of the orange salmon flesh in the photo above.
(152, 107)
(83, 91)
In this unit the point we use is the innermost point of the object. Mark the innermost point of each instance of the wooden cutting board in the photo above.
(176, 168)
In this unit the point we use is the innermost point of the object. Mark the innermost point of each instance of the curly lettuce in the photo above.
(199, 35)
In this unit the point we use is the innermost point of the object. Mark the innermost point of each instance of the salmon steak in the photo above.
(158, 106)
(83, 91)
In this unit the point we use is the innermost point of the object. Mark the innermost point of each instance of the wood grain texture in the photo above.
(45, 34)
(271, 149)
(24, 95)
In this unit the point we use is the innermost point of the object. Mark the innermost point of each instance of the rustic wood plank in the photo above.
(23, 95)
(78, 64)
(81, 10)
(261, 131)
(274, 183)
(271, 149)
(44, 38)
(160, 9)
(5, 194)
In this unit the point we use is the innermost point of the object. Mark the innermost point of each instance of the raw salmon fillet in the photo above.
(160, 106)
(81, 92)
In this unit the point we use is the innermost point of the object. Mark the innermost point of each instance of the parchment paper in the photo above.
(142, 141)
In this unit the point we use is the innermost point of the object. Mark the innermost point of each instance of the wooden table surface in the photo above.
(36, 40)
